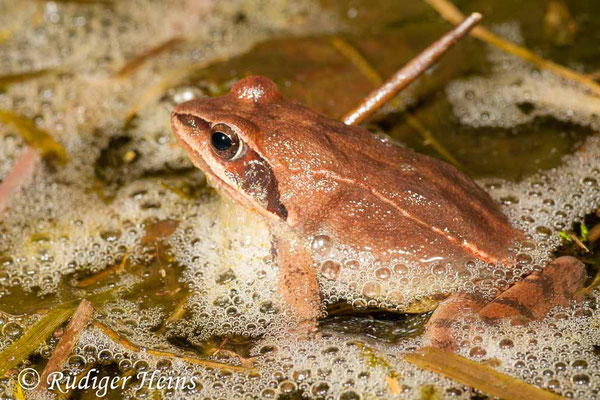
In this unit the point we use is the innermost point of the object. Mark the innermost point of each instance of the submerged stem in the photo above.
(450, 13)
(114, 336)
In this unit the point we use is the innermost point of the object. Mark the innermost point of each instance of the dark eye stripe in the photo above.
(259, 181)
(191, 121)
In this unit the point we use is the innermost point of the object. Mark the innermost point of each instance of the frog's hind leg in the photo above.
(298, 285)
(532, 298)
(529, 299)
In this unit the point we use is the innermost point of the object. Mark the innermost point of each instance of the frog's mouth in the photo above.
(260, 195)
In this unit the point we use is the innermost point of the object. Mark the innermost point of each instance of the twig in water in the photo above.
(176, 315)
(373, 76)
(114, 336)
(137, 61)
(78, 322)
(115, 269)
(577, 241)
(409, 72)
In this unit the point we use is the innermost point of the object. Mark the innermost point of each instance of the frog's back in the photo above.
(373, 194)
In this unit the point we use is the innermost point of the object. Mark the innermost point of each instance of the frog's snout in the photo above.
(183, 122)
(189, 129)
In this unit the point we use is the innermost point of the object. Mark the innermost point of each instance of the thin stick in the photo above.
(409, 72)
(115, 269)
(450, 13)
(176, 315)
(137, 61)
(114, 336)
(359, 61)
(18, 176)
(77, 324)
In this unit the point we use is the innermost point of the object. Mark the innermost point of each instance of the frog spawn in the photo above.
(225, 251)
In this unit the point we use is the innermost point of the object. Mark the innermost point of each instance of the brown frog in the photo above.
(340, 194)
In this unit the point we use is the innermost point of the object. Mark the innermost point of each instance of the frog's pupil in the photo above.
(221, 141)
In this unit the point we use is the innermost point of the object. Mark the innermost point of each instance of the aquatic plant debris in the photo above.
(477, 375)
(105, 273)
(35, 136)
(453, 15)
(10, 79)
(137, 61)
(32, 338)
(78, 322)
(113, 335)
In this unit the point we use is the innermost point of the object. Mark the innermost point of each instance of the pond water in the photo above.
(116, 213)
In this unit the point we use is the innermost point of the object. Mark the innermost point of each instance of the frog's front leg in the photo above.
(298, 285)
(527, 300)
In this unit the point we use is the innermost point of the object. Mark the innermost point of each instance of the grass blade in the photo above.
(9, 79)
(29, 342)
(450, 13)
(476, 375)
(34, 136)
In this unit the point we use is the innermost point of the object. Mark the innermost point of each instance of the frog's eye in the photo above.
(226, 143)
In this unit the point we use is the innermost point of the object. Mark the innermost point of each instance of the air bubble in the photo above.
(321, 245)
(371, 289)
(330, 269)
(383, 273)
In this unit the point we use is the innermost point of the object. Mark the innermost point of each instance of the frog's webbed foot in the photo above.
(529, 299)
(534, 296)
(298, 285)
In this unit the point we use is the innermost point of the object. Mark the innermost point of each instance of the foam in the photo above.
(58, 225)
